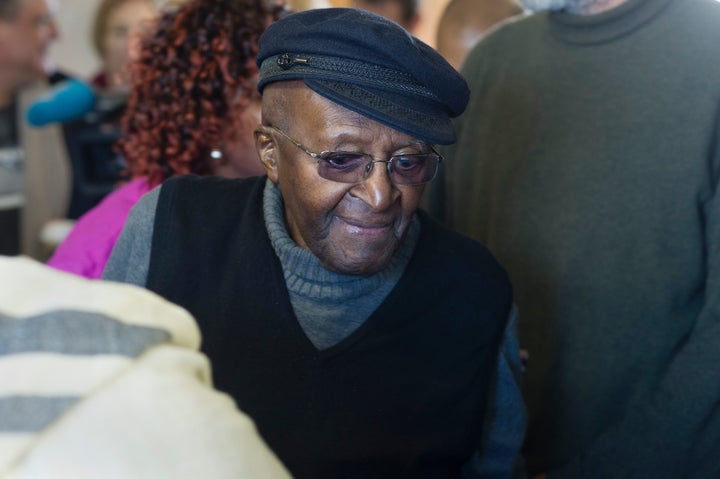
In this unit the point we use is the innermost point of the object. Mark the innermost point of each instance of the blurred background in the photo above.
(74, 52)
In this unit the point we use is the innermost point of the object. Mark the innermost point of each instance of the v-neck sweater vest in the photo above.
(401, 396)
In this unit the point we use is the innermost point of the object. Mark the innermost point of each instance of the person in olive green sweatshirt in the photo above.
(589, 161)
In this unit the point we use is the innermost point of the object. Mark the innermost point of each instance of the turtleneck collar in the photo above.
(305, 275)
(606, 26)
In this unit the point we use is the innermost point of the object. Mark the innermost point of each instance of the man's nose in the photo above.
(378, 191)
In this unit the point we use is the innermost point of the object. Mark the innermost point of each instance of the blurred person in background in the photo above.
(116, 24)
(34, 169)
(192, 109)
(93, 109)
(588, 161)
(465, 22)
(403, 12)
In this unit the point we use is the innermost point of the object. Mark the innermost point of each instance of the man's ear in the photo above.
(267, 151)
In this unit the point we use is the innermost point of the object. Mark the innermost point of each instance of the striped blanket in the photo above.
(101, 379)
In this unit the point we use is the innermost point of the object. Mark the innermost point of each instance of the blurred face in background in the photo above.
(124, 24)
(24, 41)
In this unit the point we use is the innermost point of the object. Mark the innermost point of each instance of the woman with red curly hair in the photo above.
(192, 109)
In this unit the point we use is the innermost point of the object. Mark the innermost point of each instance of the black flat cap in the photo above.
(369, 65)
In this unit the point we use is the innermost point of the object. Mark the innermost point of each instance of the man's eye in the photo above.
(409, 162)
(344, 160)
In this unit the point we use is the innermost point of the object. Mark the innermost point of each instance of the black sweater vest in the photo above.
(403, 396)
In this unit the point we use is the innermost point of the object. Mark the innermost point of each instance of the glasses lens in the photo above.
(343, 167)
(346, 167)
(413, 169)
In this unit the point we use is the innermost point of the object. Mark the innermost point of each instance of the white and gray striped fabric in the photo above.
(101, 379)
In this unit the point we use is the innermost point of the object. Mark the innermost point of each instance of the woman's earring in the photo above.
(216, 155)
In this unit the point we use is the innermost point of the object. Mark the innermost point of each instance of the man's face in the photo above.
(351, 228)
(124, 23)
(24, 40)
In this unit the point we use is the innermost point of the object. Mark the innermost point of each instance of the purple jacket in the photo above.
(87, 248)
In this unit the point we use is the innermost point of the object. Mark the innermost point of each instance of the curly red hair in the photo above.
(194, 72)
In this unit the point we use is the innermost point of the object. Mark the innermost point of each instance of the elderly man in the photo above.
(589, 162)
(363, 338)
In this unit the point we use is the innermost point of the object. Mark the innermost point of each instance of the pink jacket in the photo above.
(88, 246)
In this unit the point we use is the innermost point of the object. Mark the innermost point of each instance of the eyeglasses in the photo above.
(345, 167)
